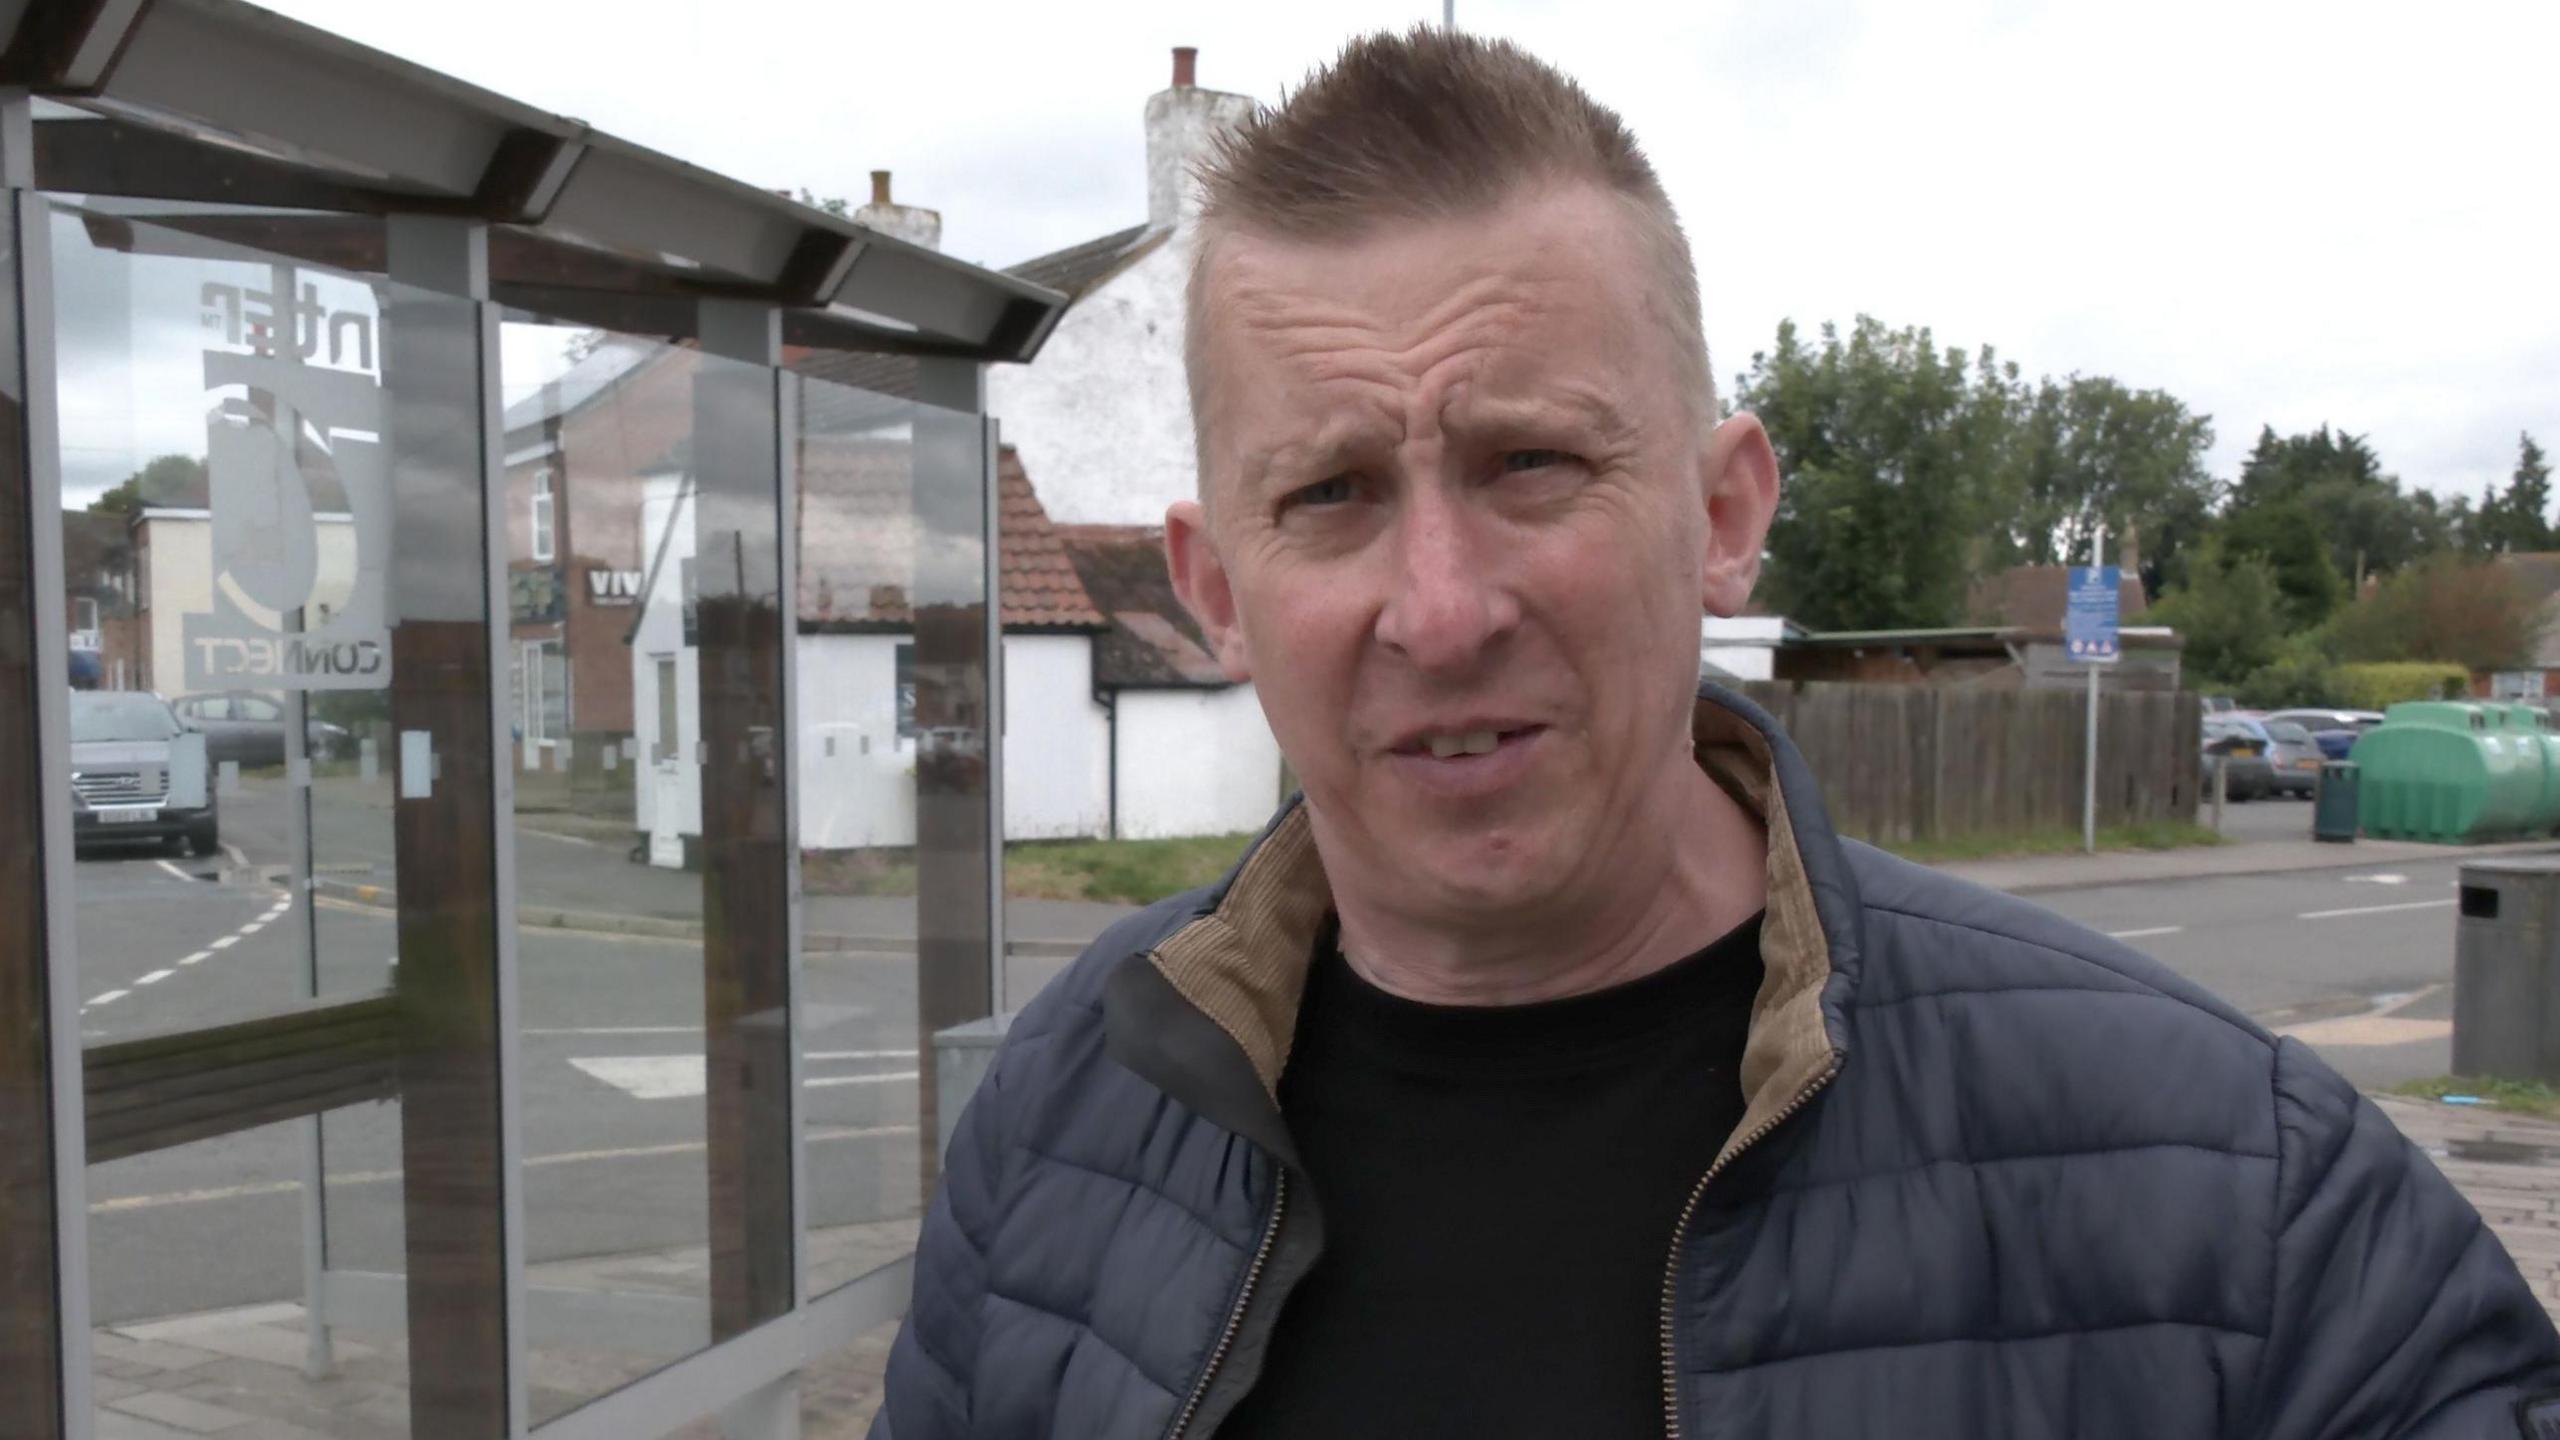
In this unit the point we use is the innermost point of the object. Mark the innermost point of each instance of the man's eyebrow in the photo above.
(1502, 414)
(1329, 449)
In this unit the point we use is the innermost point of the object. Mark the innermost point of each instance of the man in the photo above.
(1552, 1069)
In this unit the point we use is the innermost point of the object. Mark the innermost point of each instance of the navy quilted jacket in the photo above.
(1997, 1176)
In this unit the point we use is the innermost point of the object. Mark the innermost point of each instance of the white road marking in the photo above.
(681, 1077)
(127, 1203)
(647, 1077)
(253, 927)
(2376, 879)
(155, 977)
(2373, 909)
(236, 857)
(2138, 934)
(199, 955)
(110, 997)
(174, 870)
(888, 1078)
(226, 942)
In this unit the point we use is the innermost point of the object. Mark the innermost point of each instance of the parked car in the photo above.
(2246, 752)
(2295, 758)
(137, 774)
(250, 729)
(2315, 720)
(2334, 731)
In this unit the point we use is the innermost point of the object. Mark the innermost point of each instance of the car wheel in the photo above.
(204, 837)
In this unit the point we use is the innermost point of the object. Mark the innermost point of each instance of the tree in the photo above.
(2287, 537)
(2518, 521)
(2370, 527)
(2087, 449)
(1888, 446)
(2472, 612)
(170, 480)
(2228, 612)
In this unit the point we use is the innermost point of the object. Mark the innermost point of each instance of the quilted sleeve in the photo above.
(936, 1355)
(2397, 1314)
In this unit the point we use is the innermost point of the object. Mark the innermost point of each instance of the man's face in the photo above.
(1460, 526)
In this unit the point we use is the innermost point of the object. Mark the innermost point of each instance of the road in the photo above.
(612, 1070)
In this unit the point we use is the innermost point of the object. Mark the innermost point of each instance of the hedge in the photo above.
(2383, 684)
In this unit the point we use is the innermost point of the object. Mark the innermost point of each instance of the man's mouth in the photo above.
(1453, 744)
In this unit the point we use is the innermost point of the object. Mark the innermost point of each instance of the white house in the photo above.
(1099, 426)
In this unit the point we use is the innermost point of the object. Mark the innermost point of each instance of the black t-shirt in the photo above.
(1499, 1187)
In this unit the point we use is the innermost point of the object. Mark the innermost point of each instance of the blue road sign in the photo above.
(2089, 623)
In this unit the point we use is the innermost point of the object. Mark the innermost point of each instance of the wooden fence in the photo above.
(1923, 762)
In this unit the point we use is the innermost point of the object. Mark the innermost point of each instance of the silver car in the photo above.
(136, 774)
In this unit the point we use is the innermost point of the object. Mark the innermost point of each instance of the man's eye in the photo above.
(1515, 461)
(1332, 491)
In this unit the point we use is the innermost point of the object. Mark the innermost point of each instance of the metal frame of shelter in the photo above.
(220, 121)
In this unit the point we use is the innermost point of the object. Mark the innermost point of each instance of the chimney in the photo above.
(1183, 125)
(911, 223)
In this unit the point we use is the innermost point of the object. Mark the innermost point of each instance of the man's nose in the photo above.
(1445, 604)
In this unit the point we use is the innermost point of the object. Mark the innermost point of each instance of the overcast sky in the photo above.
(2281, 213)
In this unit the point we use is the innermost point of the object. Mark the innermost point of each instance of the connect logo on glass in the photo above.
(301, 519)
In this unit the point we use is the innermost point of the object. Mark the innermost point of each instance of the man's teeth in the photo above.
(1474, 742)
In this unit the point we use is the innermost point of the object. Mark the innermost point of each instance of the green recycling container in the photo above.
(2443, 771)
(2333, 809)
(2529, 729)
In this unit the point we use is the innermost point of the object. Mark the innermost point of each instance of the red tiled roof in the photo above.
(1040, 583)
(1152, 640)
(859, 540)
(2033, 597)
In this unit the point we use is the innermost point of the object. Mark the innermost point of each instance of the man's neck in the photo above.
(1709, 874)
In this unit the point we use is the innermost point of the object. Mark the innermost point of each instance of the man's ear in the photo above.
(1739, 473)
(1200, 578)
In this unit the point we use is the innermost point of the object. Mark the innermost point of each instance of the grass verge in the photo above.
(2164, 835)
(1129, 872)
(2528, 1097)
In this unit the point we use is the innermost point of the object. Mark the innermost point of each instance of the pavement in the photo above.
(2266, 837)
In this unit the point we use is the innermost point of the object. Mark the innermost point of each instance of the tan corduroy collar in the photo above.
(1244, 964)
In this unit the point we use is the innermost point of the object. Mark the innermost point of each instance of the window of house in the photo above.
(543, 546)
(84, 613)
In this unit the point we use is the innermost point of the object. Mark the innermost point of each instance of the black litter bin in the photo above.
(2333, 813)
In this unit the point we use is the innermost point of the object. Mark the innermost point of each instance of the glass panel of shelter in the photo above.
(288, 930)
(284, 914)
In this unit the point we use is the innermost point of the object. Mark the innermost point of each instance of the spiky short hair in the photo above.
(1426, 125)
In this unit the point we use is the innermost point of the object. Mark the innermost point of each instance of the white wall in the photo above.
(857, 777)
(1744, 646)
(1057, 757)
(181, 581)
(1102, 418)
(676, 787)
(1195, 762)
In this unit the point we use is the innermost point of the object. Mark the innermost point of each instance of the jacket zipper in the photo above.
(1680, 1230)
(1235, 1316)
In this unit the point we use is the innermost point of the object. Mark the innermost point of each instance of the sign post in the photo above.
(2089, 638)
